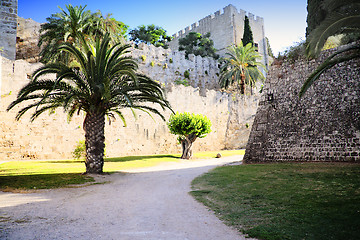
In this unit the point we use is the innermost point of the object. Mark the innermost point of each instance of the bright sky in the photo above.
(285, 20)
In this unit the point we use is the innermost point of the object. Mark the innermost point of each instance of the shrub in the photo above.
(80, 150)
(187, 74)
(184, 82)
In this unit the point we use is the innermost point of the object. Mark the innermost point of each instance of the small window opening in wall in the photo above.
(256, 47)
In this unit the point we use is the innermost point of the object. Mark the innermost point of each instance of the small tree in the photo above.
(150, 34)
(248, 36)
(189, 127)
(197, 44)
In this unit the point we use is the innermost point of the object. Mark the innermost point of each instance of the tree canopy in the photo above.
(241, 67)
(150, 34)
(188, 127)
(69, 23)
(198, 44)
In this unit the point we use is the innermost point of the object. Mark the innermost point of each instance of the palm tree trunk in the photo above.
(186, 146)
(94, 126)
(242, 84)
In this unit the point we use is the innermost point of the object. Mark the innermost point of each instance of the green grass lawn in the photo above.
(285, 201)
(25, 175)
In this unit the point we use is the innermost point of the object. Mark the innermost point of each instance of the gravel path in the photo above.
(151, 203)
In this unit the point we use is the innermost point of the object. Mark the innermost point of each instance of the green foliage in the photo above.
(184, 124)
(270, 52)
(152, 63)
(20, 175)
(187, 74)
(170, 60)
(197, 44)
(67, 25)
(293, 53)
(247, 36)
(285, 201)
(100, 84)
(343, 17)
(184, 82)
(241, 67)
(143, 58)
(165, 66)
(80, 150)
(150, 34)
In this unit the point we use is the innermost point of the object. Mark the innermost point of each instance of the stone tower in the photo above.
(226, 28)
(8, 25)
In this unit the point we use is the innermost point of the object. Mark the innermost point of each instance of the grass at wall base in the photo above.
(285, 201)
(45, 174)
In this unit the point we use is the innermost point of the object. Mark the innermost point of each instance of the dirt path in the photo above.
(150, 203)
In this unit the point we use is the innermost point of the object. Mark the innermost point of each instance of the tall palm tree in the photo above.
(62, 27)
(241, 67)
(104, 82)
(107, 24)
(343, 17)
(66, 25)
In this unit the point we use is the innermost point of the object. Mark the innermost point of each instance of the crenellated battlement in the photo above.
(226, 27)
(228, 10)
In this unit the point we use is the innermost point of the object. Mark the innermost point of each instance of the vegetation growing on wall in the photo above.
(150, 34)
(198, 44)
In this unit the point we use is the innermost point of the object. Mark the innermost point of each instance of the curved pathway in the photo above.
(151, 203)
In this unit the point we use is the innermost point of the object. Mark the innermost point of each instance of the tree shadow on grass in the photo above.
(134, 158)
(42, 181)
(119, 159)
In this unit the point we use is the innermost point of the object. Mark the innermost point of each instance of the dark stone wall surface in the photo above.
(324, 125)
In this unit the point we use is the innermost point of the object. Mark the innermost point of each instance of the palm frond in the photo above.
(343, 17)
(348, 53)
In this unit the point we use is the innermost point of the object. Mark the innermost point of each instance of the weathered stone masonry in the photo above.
(227, 27)
(322, 126)
(51, 137)
(8, 23)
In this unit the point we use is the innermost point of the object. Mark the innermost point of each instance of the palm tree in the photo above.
(241, 67)
(107, 24)
(104, 82)
(66, 25)
(343, 17)
(62, 27)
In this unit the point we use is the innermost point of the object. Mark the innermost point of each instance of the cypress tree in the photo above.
(248, 36)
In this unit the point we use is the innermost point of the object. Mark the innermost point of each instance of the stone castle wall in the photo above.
(27, 37)
(8, 24)
(52, 137)
(226, 27)
(324, 125)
